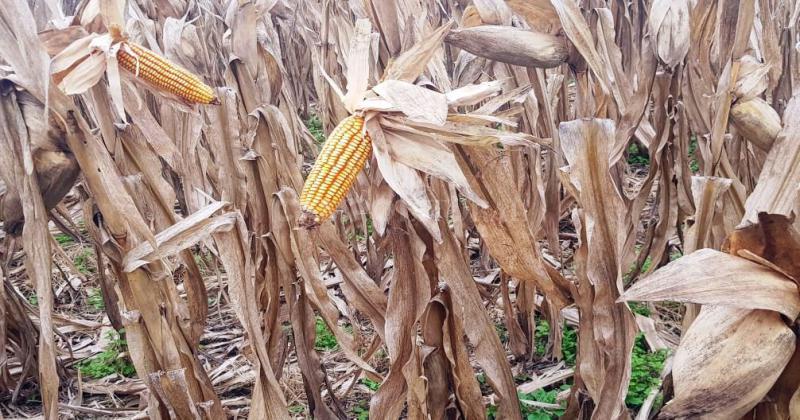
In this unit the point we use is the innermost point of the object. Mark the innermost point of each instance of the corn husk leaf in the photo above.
(411, 63)
(752, 81)
(711, 277)
(756, 121)
(511, 45)
(720, 371)
(418, 103)
(777, 187)
(424, 154)
(358, 64)
(404, 180)
(669, 23)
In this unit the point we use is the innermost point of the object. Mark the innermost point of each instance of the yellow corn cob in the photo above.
(164, 75)
(343, 155)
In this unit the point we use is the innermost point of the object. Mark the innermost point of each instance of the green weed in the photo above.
(83, 262)
(315, 127)
(646, 369)
(95, 299)
(33, 300)
(109, 362)
(325, 340)
(693, 165)
(63, 239)
(360, 411)
(536, 413)
(569, 341)
(637, 156)
(369, 383)
(640, 308)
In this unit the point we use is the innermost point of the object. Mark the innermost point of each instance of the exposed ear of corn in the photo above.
(343, 155)
(164, 75)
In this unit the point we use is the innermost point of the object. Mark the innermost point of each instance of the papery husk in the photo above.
(511, 45)
(756, 121)
(727, 362)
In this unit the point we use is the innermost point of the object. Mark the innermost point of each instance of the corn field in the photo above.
(422, 209)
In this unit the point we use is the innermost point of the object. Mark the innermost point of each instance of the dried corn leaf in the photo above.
(418, 103)
(411, 63)
(773, 238)
(711, 277)
(605, 365)
(408, 297)
(182, 235)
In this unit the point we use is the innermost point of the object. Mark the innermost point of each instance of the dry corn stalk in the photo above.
(164, 75)
(511, 45)
(343, 155)
(757, 122)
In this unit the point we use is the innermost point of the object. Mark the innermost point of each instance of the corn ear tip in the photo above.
(215, 101)
(308, 220)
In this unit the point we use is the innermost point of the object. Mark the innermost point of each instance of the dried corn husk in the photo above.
(728, 360)
(757, 121)
(669, 24)
(511, 45)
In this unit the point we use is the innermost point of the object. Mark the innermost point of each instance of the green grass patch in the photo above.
(296, 409)
(640, 308)
(360, 411)
(63, 239)
(325, 340)
(83, 262)
(95, 299)
(109, 361)
(33, 299)
(502, 332)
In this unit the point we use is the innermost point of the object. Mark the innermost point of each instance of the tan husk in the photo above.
(757, 122)
(511, 45)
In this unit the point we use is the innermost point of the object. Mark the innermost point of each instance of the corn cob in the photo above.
(343, 155)
(164, 75)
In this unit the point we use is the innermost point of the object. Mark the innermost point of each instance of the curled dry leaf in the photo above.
(183, 234)
(720, 370)
(752, 81)
(773, 238)
(539, 14)
(711, 277)
(511, 45)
